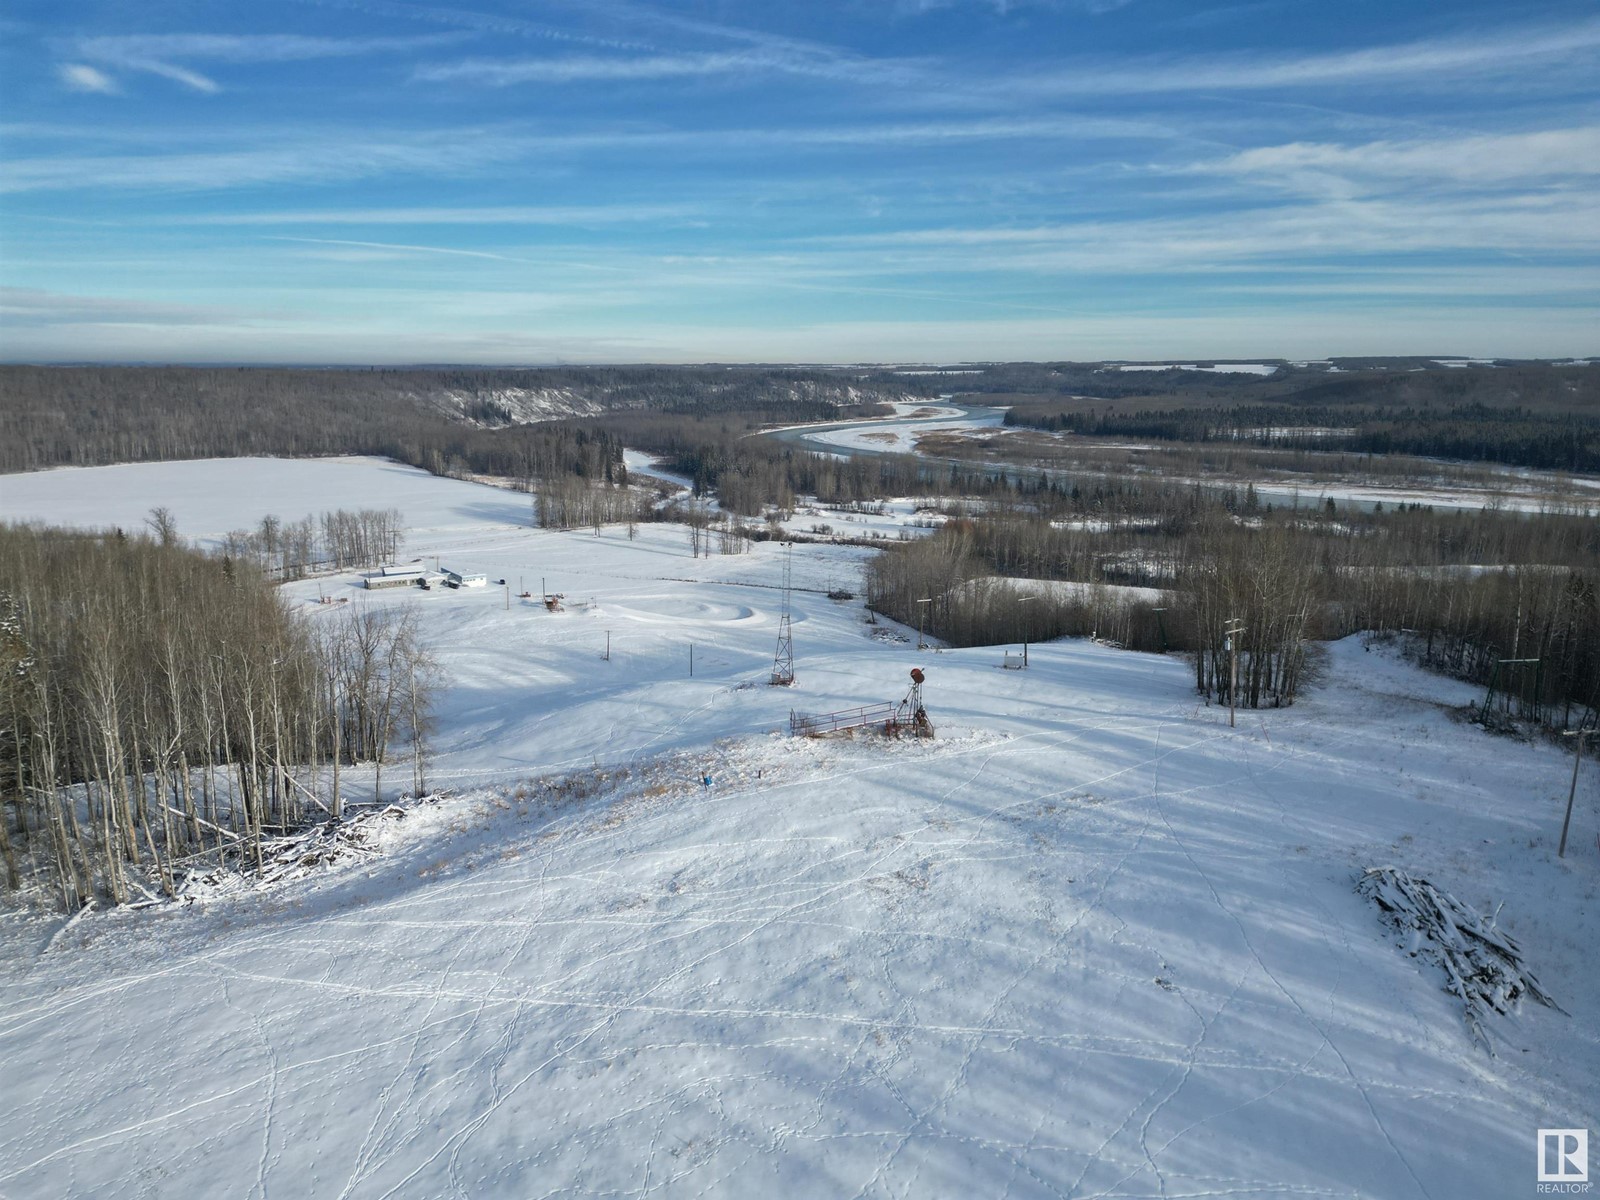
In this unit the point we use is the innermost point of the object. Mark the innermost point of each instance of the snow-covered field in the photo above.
(898, 434)
(1212, 368)
(1090, 941)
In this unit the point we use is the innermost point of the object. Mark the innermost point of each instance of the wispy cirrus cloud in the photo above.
(1519, 159)
(166, 54)
(26, 306)
(1561, 224)
(583, 68)
(354, 155)
(403, 248)
(470, 20)
(1423, 63)
(502, 215)
(309, 158)
(596, 68)
(1445, 61)
(250, 48)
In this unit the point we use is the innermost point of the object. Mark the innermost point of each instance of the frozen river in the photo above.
(1523, 490)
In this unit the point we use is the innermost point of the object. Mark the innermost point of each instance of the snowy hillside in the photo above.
(1089, 941)
(510, 406)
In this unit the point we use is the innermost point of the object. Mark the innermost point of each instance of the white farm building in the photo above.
(390, 577)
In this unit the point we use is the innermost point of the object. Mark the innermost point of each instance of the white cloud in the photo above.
(80, 77)
(1517, 158)
(346, 155)
(1423, 64)
(403, 248)
(480, 336)
(1559, 224)
(506, 72)
(1243, 336)
(190, 79)
(246, 48)
(595, 68)
(161, 54)
(36, 306)
(308, 158)
(503, 215)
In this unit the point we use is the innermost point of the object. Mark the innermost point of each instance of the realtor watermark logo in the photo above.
(1564, 1161)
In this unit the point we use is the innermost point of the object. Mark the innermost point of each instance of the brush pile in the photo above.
(1482, 965)
(295, 855)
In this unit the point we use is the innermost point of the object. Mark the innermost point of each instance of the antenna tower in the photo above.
(783, 660)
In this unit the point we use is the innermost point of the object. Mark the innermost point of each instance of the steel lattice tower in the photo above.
(783, 660)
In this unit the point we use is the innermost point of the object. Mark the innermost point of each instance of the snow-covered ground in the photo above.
(1090, 941)
(640, 463)
(1514, 488)
(898, 434)
(210, 497)
(889, 520)
(1212, 368)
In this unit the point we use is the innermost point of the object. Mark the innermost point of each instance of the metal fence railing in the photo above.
(817, 724)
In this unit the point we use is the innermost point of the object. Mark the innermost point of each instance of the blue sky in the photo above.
(835, 181)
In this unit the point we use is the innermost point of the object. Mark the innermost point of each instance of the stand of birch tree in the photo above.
(158, 706)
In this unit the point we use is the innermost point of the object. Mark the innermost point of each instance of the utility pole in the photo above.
(1572, 791)
(508, 597)
(608, 645)
(691, 660)
(1026, 629)
(1230, 643)
(921, 642)
(1162, 622)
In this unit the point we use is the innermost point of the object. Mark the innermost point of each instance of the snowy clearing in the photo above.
(897, 434)
(1212, 368)
(1090, 941)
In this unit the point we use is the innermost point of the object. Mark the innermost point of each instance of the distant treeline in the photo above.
(446, 421)
(1541, 416)
(1420, 383)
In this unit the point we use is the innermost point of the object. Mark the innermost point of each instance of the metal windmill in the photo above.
(783, 660)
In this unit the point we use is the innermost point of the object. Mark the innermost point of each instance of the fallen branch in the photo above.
(88, 907)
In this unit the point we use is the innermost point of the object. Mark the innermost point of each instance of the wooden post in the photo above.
(1572, 791)
(1231, 644)
(1233, 680)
